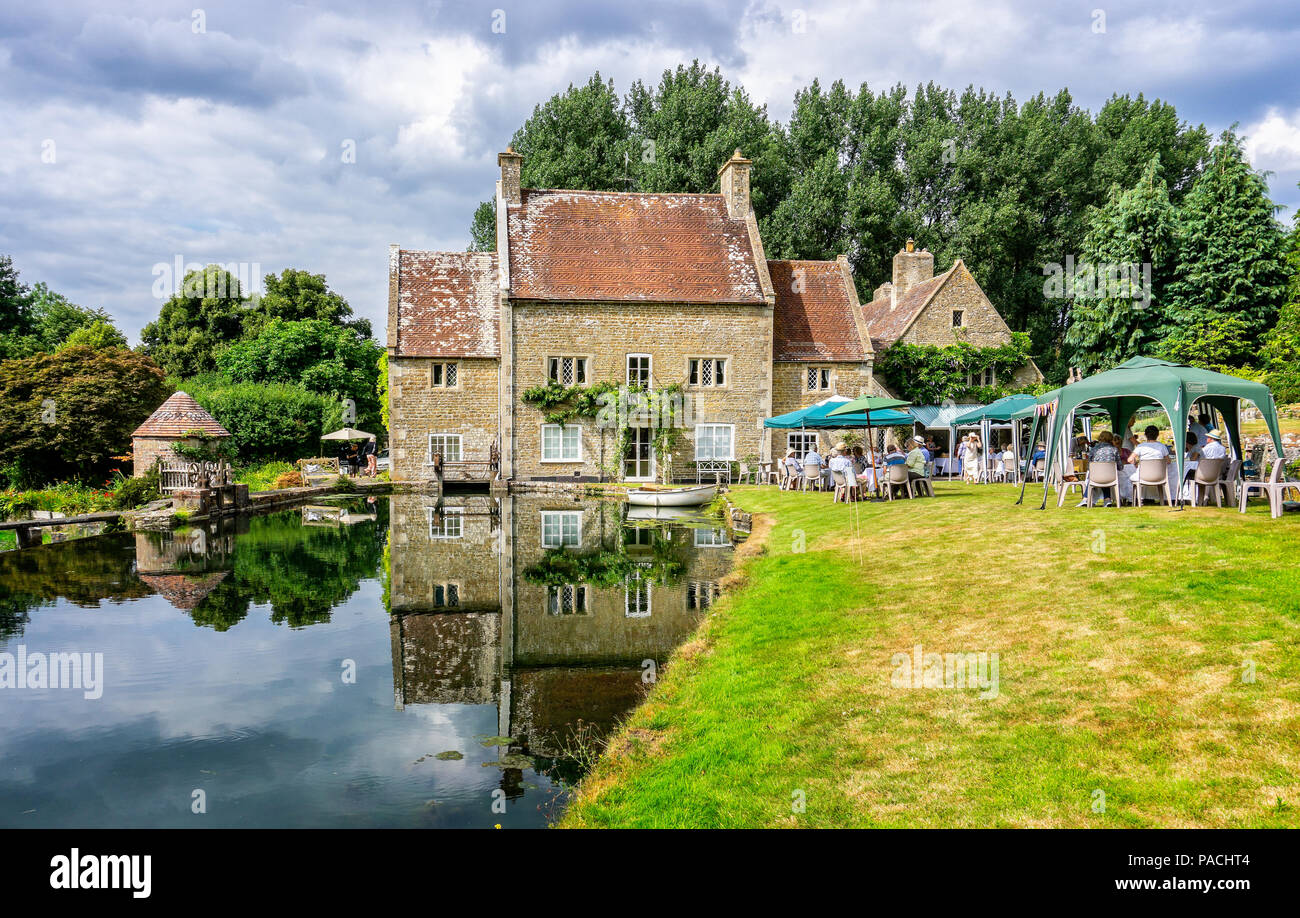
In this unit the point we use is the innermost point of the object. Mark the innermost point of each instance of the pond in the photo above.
(370, 662)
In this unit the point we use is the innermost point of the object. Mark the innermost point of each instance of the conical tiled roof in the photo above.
(178, 416)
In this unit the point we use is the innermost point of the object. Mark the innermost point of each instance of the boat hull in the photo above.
(676, 497)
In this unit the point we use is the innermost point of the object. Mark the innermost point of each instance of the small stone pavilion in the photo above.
(180, 419)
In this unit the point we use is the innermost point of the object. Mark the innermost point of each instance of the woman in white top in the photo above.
(970, 466)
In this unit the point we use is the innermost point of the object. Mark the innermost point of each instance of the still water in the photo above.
(381, 662)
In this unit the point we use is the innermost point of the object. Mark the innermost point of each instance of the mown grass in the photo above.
(1123, 638)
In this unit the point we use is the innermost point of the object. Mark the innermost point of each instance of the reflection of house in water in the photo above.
(333, 515)
(552, 608)
(185, 566)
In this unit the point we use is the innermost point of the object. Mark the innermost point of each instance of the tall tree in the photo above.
(296, 295)
(195, 325)
(483, 228)
(1137, 227)
(577, 139)
(1231, 257)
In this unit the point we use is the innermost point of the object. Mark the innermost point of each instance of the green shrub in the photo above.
(136, 492)
(267, 421)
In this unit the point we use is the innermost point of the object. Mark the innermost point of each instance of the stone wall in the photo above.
(418, 409)
(671, 334)
(790, 380)
(984, 326)
(419, 563)
(145, 451)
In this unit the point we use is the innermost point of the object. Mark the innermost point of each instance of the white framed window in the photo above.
(446, 595)
(561, 528)
(802, 443)
(707, 372)
(636, 597)
(982, 378)
(449, 523)
(819, 379)
(566, 599)
(638, 370)
(710, 538)
(447, 444)
(715, 442)
(561, 443)
(567, 371)
(701, 593)
(444, 375)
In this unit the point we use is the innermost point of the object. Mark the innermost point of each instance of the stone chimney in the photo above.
(510, 163)
(910, 268)
(734, 179)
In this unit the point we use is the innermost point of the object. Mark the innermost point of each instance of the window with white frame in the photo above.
(986, 377)
(444, 375)
(561, 528)
(707, 371)
(802, 443)
(819, 379)
(566, 599)
(567, 371)
(710, 538)
(714, 442)
(447, 444)
(701, 593)
(446, 595)
(561, 443)
(638, 370)
(636, 602)
(447, 523)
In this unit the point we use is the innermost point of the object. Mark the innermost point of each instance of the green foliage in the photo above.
(577, 139)
(381, 389)
(1221, 343)
(560, 404)
(606, 569)
(1137, 226)
(926, 374)
(331, 360)
(131, 493)
(96, 336)
(197, 324)
(296, 296)
(1280, 355)
(264, 476)
(267, 421)
(483, 228)
(1231, 251)
(66, 415)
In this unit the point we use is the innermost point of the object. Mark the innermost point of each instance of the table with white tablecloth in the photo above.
(947, 465)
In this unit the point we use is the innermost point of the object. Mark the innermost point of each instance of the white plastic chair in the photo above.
(1274, 488)
(812, 477)
(1103, 476)
(1208, 475)
(1152, 473)
(898, 476)
(843, 490)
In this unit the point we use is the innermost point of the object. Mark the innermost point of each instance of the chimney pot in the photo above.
(511, 164)
(911, 268)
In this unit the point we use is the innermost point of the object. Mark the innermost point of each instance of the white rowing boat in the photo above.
(672, 497)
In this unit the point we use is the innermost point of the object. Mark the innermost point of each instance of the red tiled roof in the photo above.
(184, 591)
(447, 304)
(614, 246)
(813, 319)
(886, 323)
(178, 416)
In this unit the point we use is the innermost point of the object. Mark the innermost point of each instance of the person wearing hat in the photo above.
(916, 459)
(1214, 448)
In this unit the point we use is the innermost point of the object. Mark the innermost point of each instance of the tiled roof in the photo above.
(184, 591)
(886, 323)
(613, 246)
(813, 318)
(447, 304)
(178, 416)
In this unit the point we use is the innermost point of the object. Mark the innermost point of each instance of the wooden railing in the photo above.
(184, 474)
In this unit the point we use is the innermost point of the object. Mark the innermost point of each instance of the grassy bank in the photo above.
(1123, 636)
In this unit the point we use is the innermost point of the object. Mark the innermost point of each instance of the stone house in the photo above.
(652, 291)
(919, 307)
(180, 419)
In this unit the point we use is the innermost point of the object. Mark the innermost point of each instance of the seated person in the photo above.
(812, 457)
(1213, 448)
(916, 460)
(839, 462)
(1151, 448)
(894, 455)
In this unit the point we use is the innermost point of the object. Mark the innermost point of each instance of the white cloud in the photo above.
(1274, 141)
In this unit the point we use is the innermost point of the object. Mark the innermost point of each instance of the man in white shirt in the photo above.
(839, 462)
(812, 457)
(1213, 448)
(1151, 449)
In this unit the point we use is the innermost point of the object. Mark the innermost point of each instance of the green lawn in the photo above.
(1125, 640)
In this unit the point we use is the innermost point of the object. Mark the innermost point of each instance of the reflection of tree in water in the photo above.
(83, 571)
(664, 563)
(303, 572)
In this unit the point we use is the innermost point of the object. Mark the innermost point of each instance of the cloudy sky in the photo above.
(133, 134)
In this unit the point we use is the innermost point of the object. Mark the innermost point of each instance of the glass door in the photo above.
(639, 457)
